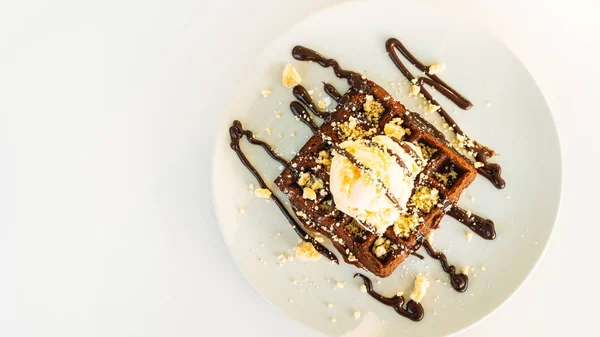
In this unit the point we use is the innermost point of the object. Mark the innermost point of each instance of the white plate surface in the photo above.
(517, 124)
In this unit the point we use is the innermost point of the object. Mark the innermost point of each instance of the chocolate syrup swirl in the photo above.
(361, 166)
(303, 96)
(483, 227)
(354, 79)
(459, 282)
(298, 110)
(414, 311)
(332, 92)
(490, 171)
(236, 133)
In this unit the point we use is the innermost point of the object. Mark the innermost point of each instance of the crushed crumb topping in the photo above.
(304, 178)
(356, 314)
(405, 224)
(309, 193)
(262, 193)
(425, 198)
(307, 252)
(290, 77)
(394, 128)
(419, 289)
(324, 159)
(436, 68)
(265, 92)
(414, 90)
(363, 288)
(465, 270)
(351, 130)
(381, 247)
(373, 109)
(469, 236)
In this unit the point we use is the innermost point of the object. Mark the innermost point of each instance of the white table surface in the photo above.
(106, 221)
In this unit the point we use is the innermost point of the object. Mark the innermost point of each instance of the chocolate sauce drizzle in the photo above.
(393, 154)
(459, 282)
(303, 96)
(483, 227)
(250, 136)
(407, 148)
(482, 153)
(299, 111)
(236, 133)
(361, 166)
(354, 79)
(414, 311)
(332, 92)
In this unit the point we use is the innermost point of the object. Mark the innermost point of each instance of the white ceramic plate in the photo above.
(517, 123)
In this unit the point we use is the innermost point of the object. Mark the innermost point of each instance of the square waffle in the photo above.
(446, 171)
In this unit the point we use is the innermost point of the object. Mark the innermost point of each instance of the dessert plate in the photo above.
(509, 115)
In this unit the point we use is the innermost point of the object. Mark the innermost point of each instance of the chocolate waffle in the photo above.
(446, 171)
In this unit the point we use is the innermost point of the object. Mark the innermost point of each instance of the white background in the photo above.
(105, 108)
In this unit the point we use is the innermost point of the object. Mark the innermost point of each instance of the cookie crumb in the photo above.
(436, 68)
(290, 77)
(262, 193)
(469, 236)
(266, 92)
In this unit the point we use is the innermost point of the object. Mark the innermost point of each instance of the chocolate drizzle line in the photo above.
(332, 92)
(250, 136)
(303, 96)
(490, 171)
(354, 79)
(417, 255)
(299, 111)
(236, 133)
(406, 148)
(459, 282)
(483, 227)
(392, 154)
(414, 311)
(361, 166)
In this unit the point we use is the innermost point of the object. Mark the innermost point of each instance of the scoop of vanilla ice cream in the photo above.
(362, 193)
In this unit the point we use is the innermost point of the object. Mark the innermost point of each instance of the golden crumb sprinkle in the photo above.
(394, 128)
(309, 193)
(304, 178)
(414, 90)
(432, 107)
(469, 236)
(465, 270)
(290, 77)
(425, 198)
(262, 193)
(265, 92)
(419, 289)
(307, 252)
(405, 224)
(436, 68)
(373, 109)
